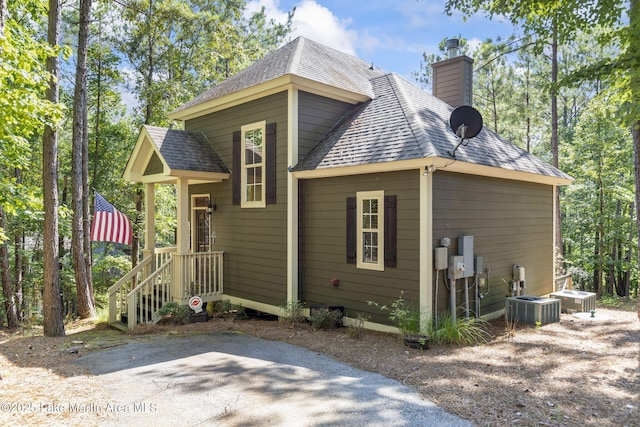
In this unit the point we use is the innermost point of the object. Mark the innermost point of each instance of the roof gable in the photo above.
(164, 155)
(301, 58)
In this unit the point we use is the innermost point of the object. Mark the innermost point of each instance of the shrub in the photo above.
(225, 308)
(403, 314)
(323, 318)
(356, 329)
(292, 314)
(176, 314)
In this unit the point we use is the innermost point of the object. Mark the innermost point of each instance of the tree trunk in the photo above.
(84, 291)
(53, 324)
(634, 52)
(554, 145)
(18, 261)
(3, 16)
(10, 306)
(597, 269)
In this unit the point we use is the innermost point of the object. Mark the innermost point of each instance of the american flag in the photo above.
(109, 224)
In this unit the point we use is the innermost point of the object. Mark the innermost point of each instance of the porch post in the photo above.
(182, 238)
(426, 248)
(150, 225)
(293, 293)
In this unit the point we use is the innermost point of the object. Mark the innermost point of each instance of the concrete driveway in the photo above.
(229, 379)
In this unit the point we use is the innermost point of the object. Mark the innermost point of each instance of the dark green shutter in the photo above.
(236, 178)
(270, 164)
(390, 234)
(352, 229)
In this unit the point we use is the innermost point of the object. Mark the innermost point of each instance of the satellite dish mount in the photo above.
(466, 123)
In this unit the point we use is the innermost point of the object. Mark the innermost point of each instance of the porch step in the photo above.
(119, 326)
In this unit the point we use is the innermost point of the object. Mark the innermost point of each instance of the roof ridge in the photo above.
(411, 115)
(295, 56)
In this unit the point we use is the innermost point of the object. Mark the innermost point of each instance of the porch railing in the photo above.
(150, 295)
(138, 295)
(200, 274)
(118, 291)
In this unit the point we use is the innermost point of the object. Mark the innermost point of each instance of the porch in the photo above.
(163, 277)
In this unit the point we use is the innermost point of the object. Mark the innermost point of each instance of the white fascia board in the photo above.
(440, 164)
(140, 157)
(195, 177)
(262, 90)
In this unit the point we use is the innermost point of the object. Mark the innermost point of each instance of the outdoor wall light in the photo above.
(428, 170)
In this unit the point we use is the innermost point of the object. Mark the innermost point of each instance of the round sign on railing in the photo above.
(195, 304)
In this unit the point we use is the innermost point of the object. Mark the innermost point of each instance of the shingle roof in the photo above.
(403, 122)
(301, 57)
(184, 150)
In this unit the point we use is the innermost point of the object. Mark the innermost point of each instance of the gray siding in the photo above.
(325, 244)
(316, 116)
(512, 223)
(254, 240)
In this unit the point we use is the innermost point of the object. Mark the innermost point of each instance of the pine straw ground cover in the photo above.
(581, 371)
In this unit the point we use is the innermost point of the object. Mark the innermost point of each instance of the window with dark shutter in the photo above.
(390, 244)
(236, 178)
(254, 172)
(372, 230)
(270, 164)
(352, 229)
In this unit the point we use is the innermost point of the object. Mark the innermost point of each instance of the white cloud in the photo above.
(317, 23)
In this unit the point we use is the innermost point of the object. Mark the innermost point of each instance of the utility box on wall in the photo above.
(465, 248)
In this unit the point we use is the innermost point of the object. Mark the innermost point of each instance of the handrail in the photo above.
(122, 283)
(129, 275)
(566, 280)
(150, 295)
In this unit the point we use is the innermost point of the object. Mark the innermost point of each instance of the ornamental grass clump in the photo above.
(469, 331)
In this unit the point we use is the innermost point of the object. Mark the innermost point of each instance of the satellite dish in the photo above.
(466, 122)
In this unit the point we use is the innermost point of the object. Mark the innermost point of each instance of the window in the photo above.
(253, 166)
(370, 230)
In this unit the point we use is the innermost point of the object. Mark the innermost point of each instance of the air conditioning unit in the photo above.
(575, 300)
(534, 310)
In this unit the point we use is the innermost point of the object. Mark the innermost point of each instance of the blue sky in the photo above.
(390, 34)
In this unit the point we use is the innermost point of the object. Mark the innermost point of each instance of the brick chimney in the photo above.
(453, 77)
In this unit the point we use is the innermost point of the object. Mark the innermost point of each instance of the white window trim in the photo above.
(244, 203)
(192, 223)
(361, 196)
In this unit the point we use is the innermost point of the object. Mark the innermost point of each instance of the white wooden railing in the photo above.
(199, 274)
(137, 296)
(152, 293)
(118, 291)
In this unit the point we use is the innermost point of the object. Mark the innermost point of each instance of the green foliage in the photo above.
(107, 269)
(225, 308)
(445, 330)
(403, 314)
(292, 314)
(356, 329)
(176, 314)
(323, 318)
(196, 43)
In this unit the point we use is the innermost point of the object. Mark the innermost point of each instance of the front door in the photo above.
(201, 223)
(200, 242)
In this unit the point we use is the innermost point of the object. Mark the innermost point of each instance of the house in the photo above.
(313, 176)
